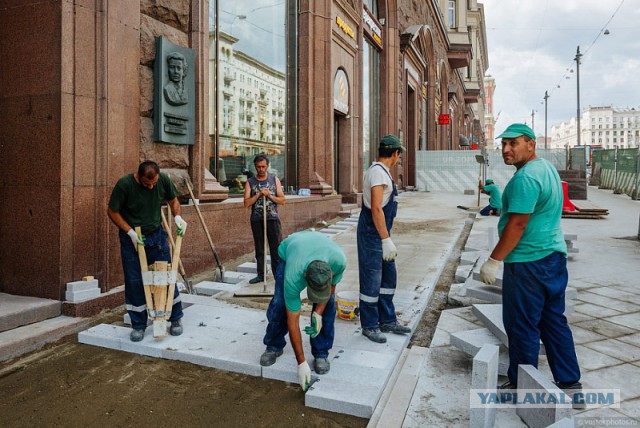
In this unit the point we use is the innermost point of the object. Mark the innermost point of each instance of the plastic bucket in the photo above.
(347, 302)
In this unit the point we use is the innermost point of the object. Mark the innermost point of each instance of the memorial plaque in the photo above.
(174, 93)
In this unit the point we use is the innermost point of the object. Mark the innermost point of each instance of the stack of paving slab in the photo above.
(78, 291)
(340, 226)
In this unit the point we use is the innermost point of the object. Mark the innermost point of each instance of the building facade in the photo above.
(489, 118)
(312, 84)
(606, 127)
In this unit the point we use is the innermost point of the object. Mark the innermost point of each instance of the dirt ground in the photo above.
(69, 384)
(74, 385)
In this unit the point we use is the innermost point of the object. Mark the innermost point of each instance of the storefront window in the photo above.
(370, 103)
(372, 5)
(248, 100)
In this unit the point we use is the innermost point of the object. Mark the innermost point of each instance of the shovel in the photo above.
(264, 293)
(218, 274)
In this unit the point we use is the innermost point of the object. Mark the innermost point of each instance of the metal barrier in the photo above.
(617, 169)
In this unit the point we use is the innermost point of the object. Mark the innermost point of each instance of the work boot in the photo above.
(321, 365)
(374, 334)
(506, 392)
(256, 280)
(136, 335)
(395, 328)
(176, 328)
(574, 391)
(268, 358)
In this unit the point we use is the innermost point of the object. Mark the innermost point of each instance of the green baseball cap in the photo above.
(489, 181)
(391, 142)
(318, 276)
(517, 129)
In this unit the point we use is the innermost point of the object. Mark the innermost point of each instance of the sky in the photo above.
(532, 45)
(259, 24)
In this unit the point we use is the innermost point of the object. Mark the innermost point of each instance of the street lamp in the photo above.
(240, 17)
(546, 97)
(577, 60)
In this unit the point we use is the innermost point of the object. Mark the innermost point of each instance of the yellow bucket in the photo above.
(347, 302)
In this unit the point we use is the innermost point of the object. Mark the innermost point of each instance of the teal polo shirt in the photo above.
(535, 189)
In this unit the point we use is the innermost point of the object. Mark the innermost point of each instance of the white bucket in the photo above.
(347, 304)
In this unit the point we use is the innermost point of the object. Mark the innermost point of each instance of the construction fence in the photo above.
(617, 169)
(446, 170)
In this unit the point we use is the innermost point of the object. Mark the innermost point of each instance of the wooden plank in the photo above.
(144, 267)
(587, 205)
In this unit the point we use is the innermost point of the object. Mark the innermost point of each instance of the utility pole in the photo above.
(577, 60)
(546, 97)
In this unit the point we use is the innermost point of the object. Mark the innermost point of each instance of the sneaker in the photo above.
(176, 328)
(374, 334)
(573, 390)
(268, 358)
(136, 335)
(321, 365)
(256, 280)
(395, 328)
(508, 385)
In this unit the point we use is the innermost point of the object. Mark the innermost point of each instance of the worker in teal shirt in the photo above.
(311, 261)
(495, 198)
(535, 274)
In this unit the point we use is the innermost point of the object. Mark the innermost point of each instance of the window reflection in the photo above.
(251, 88)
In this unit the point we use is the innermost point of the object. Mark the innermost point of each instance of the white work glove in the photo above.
(181, 225)
(304, 376)
(489, 270)
(135, 239)
(389, 250)
(316, 325)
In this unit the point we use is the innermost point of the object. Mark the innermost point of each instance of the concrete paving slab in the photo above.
(248, 267)
(589, 359)
(472, 341)
(596, 311)
(487, 293)
(328, 231)
(16, 311)
(484, 375)
(615, 377)
(563, 423)
(597, 299)
(82, 285)
(26, 338)
(396, 408)
(339, 227)
(469, 257)
(629, 320)
(210, 288)
(81, 295)
(606, 328)
(540, 417)
(633, 339)
(580, 335)
(617, 349)
(457, 296)
(491, 317)
(233, 277)
(463, 272)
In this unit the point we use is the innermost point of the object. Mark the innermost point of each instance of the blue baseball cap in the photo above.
(517, 129)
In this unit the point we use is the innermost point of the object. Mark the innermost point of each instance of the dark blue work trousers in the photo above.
(157, 250)
(278, 328)
(533, 310)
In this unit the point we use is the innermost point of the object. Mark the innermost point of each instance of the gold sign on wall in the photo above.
(345, 27)
(341, 92)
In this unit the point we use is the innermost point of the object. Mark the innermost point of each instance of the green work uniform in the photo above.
(140, 206)
(300, 249)
(535, 189)
(495, 197)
